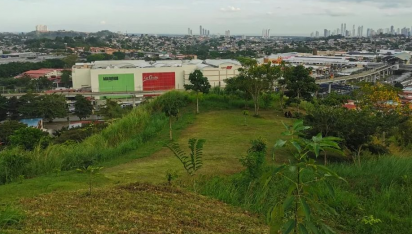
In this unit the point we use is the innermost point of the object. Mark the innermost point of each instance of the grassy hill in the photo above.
(135, 208)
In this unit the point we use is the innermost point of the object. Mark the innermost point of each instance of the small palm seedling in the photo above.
(194, 161)
(91, 172)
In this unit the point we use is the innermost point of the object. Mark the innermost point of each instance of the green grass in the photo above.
(221, 156)
(227, 139)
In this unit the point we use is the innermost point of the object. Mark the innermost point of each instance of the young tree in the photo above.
(171, 103)
(199, 84)
(83, 107)
(299, 84)
(3, 108)
(255, 79)
(52, 106)
(303, 201)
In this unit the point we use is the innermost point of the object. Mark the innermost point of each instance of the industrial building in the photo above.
(139, 75)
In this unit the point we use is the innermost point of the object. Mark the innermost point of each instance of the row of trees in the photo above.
(47, 107)
(16, 68)
(255, 80)
(98, 57)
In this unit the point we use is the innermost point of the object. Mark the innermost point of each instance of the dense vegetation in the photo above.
(16, 68)
(334, 170)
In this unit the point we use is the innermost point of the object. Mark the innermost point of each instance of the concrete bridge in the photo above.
(368, 76)
(405, 67)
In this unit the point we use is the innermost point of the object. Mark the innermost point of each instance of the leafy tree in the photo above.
(7, 128)
(398, 85)
(3, 108)
(171, 103)
(199, 84)
(66, 79)
(303, 201)
(70, 60)
(83, 107)
(13, 107)
(112, 110)
(43, 83)
(52, 106)
(29, 106)
(119, 55)
(334, 99)
(380, 97)
(255, 79)
(29, 138)
(355, 128)
(298, 83)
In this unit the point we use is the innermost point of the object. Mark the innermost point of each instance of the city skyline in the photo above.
(359, 31)
(294, 17)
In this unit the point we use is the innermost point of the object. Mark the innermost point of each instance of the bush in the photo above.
(14, 163)
(29, 138)
(255, 159)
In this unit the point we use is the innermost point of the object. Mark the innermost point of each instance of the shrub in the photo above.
(255, 159)
(13, 163)
(29, 138)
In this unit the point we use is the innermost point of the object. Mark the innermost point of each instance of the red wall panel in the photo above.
(159, 81)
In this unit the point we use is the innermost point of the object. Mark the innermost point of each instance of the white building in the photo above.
(139, 75)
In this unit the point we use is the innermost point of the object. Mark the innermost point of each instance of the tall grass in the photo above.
(9, 216)
(122, 136)
(381, 187)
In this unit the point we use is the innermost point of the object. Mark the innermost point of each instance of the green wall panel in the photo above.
(116, 82)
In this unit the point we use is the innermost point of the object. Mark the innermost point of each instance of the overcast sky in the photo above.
(283, 17)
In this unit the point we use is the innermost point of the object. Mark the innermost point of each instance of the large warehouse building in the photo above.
(138, 75)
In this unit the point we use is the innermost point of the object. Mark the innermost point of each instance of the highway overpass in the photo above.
(368, 76)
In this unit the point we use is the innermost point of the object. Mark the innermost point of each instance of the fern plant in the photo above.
(194, 161)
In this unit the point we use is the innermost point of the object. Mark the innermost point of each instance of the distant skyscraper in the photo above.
(341, 29)
(201, 30)
(41, 28)
(317, 33)
(353, 31)
(344, 30)
(392, 30)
